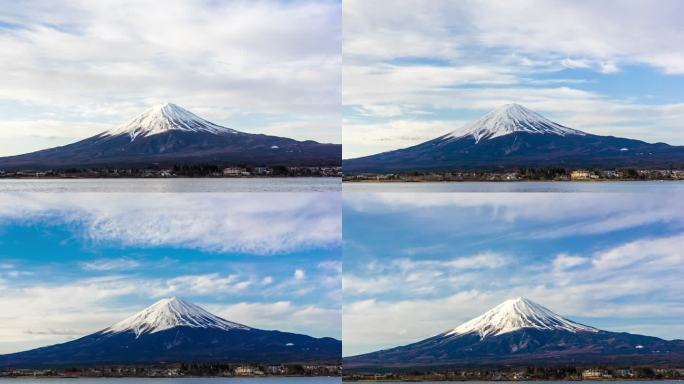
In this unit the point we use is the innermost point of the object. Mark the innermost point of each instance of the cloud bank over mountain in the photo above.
(75, 69)
(431, 66)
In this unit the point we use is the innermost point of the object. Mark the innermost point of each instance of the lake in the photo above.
(321, 184)
(289, 184)
(183, 380)
(518, 186)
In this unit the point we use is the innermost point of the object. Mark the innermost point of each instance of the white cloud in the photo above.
(608, 67)
(565, 261)
(561, 30)
(415, 277)
(331, 265)
(647, 254)
(212, 283)
(285, 316)
(299, 274)
(353, 284)
(369, 325)
(482, 260)
(364, 138)
(575, 63)
(607, 213)
(272, 223)
(110, 264)
(45, 314)
(32, 135)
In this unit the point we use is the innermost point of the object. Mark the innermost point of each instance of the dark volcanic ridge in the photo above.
(513, 137)
(168, 135)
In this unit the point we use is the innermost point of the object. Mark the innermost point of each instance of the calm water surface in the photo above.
(187, 380)
(546, 382)
(522, 186)
(290, 184)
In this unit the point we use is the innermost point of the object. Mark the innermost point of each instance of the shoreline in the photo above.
(480, 380)
(167, 177)
(162, 377)
(500, 181)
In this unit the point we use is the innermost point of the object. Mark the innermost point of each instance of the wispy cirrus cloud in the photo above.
(273, 223)
(110, 264)
(419, 276)
(202, 284)
(308, 319)
(607, 213)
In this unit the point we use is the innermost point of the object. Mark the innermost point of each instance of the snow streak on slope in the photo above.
(170, 313)
(163, 118)
(509, 119)
(515, 314)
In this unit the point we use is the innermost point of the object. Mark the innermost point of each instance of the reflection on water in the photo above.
(518, 186)
(291, 184)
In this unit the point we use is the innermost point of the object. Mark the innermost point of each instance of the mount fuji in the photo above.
(512, 137)
(166, 135)
(174, 330)
(520, 332)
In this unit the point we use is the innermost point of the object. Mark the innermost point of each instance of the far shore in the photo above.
(521, 175)
(499, 181)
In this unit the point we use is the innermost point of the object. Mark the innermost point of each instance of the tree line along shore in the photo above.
(523, 174)
(523, 374)
(181, 370)
(177, 171)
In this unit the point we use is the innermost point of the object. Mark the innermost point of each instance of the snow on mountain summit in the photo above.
(508, 119)
(515, 314)
(163, 118)
(169, 313)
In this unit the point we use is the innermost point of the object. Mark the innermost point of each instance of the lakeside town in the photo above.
(525, 374)
(176, 171)
(527, 174)
(181, 370)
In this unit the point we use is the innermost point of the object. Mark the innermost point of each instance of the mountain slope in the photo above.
(168, 134)
(513, 136)
(164, 118)
(521, 332)
(173, 330)
(512, 315)
(169, 313)
(511, 118)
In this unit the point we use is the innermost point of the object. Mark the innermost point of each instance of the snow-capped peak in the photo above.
(515, 314)
(169, 313)
(166, 117)
(508, 119)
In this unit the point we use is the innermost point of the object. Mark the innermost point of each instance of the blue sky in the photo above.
(428, 67)
(416, 265)
(72, 265)
(70, 70)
